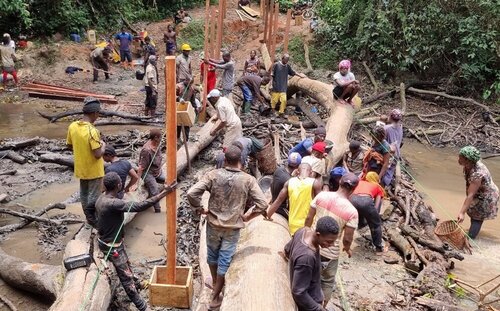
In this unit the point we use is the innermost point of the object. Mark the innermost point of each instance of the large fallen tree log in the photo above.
(104, 113)
(257, 263)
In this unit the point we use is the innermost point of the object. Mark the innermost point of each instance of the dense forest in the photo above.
(454, 42)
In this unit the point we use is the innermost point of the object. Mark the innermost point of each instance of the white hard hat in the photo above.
(214, 93)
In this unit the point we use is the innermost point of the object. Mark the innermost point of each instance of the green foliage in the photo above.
(285, 5)
(319, 57)
(457, 40)
(46, 17)
(193, 34)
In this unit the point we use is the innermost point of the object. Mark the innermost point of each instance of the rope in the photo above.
(100, 268)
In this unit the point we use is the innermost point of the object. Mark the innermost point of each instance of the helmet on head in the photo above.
(186, 47)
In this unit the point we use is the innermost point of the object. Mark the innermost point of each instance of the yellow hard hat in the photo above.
(185, 47)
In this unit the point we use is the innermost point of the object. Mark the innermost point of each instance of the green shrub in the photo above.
(193, 34)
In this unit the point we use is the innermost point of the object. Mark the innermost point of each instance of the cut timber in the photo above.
(67, 97)
(35, 278)
(249, 11)
(306, 109)
(105, 113)
(14, 156)
(266, 57)
(58, 159)
(257, 262)
(400, 243)
(341, 115)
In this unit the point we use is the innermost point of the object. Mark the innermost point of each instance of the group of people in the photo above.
(103, 184)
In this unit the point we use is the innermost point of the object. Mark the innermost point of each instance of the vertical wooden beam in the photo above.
(266, 19)
(220, 31)
(171, 165)
(262, 3)
(270, 23)
(224, 9)
(275, 30)
(212, 39)
(203, 114)
(287, 30)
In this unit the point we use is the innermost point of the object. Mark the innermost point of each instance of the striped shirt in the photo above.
(339, 208)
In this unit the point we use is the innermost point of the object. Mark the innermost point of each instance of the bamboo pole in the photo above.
(287, 30)
(203, 114)
(171, 165)
(275, 29)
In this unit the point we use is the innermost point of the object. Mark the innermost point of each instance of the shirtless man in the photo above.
(170, 38)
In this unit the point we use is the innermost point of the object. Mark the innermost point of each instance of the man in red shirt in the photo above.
(367, 198)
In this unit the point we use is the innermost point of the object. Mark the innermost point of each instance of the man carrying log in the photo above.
(122, 167)
(227, 117)
(280, 72)
(150, 165)
(299, 191)
(88, 149)
(229, 189)
(303, 253)
(250, 87)
(151, 87)
(99, 60)
(110, 210)
(336, 205)
(280, 177)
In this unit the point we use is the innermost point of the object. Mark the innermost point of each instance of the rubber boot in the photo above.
(246, 106)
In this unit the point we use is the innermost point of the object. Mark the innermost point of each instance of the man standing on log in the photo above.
(229, 189)
(303, 253)
(88, 149)
(336, 205)
(150, 165)
(228, 119)
(299, 191)
(280, 72)
(122, 167)
(227, 65)
(110, 210)
(151, 87)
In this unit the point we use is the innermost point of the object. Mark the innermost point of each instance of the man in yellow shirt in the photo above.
(299, 191)
(88, 149)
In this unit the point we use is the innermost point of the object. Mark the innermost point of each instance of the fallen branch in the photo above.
(417, 251)
(23, 223)
(30, 217)
(105, 113)
(20, 144)
(306, 57)
(370, 75)
(400, 243)
(58, 159)
(376, 97)
(8, 303)
(9, 172)
(14, 156)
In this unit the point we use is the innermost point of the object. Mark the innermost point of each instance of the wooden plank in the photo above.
(275, 30)
(178, 294)
(306, 109)
(287, 30)
(171, 165)
(245, 15)
(249, 11)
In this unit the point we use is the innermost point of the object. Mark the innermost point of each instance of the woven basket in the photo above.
(449, 231)
(266, 159)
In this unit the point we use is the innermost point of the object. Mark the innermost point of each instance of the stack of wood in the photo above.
(245, 12)
(42, 90)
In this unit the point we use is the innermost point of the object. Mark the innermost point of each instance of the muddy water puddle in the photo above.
(20, 119)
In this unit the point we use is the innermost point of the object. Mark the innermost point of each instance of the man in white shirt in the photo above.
(226, 118)
(151, 86)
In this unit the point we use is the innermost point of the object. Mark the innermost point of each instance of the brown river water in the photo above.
(436, 172)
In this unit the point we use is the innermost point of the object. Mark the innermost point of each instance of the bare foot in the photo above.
(215, 304)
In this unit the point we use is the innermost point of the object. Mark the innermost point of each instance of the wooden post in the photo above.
(219, 26)
(275, 29)
(213, 46)
(270, 23)
(287, 30)
(224, 9)
(203, 113)
(266, 19)
(171, 165)
(262, 4)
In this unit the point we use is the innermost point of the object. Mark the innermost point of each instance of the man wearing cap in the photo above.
(125, 55)
(122, 167)
(183, 64)
(226, 117)
(304, 148)
(353, 158)
(299, 191)
(394, 136)
(150, 170)
(227, 65)
(151, 87)
(317, 160)
(99, 60)
(336, 174)
(250, 87)
(88, 149)
(280, 177)
(336, 205)
(280, 72)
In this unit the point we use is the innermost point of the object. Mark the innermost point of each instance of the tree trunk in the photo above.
(58, 159)
(341, 115)
(257, 278)
(20, 144)
(35, 278)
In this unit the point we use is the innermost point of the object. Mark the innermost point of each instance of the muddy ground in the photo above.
(366, 282)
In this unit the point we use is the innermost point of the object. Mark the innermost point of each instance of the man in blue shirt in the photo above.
(304, 148)
(125, 39)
